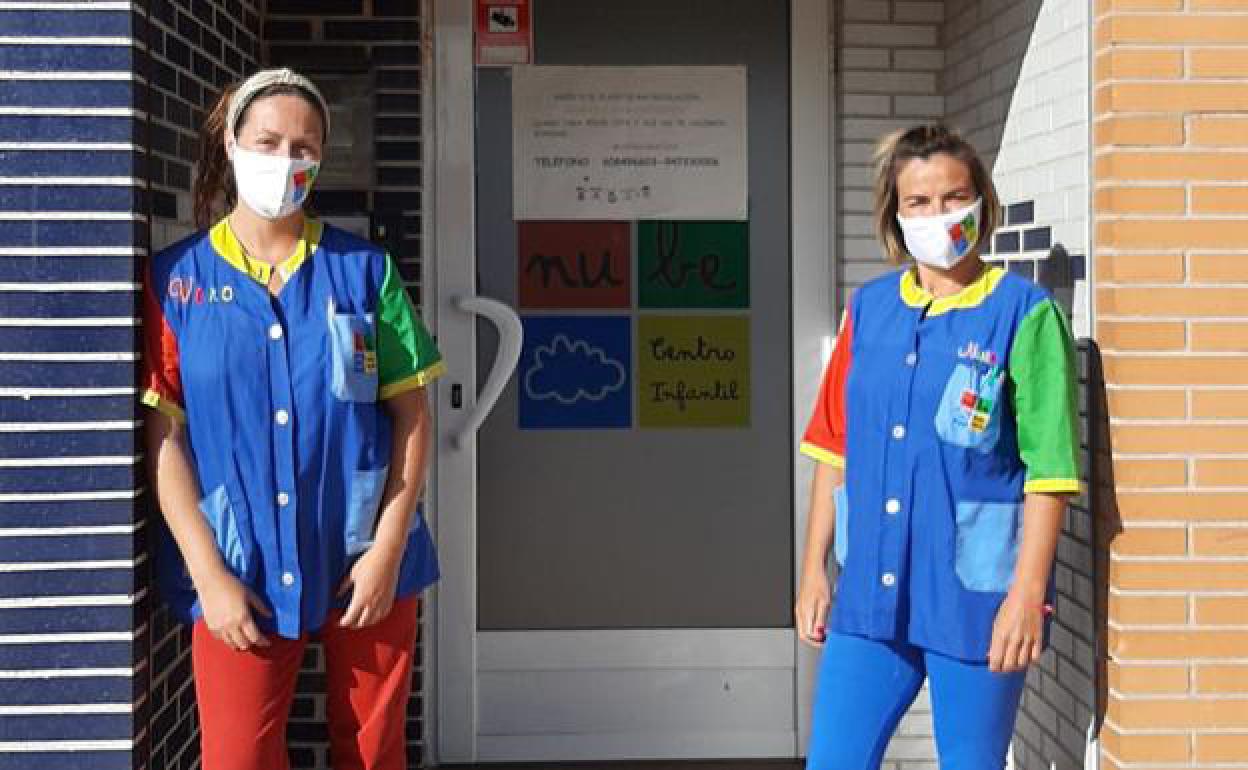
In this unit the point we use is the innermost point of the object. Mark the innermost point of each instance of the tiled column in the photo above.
(73, 597)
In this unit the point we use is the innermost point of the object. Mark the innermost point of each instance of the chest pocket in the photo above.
(353, 354)
(970, 408)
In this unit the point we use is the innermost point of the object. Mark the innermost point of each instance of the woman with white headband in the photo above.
(288, 443)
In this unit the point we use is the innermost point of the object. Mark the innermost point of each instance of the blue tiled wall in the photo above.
(73, 229)
(99, 113)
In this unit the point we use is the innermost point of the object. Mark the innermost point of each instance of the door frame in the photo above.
(453, 649)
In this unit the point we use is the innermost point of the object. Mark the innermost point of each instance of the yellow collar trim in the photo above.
(226, 243)
(972, 294)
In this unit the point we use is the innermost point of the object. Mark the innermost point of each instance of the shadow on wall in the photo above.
(986, 44)
(1064, 703)
(1107, 518)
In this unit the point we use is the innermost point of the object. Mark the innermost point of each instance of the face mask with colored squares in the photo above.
(273, 186)
(942, 240)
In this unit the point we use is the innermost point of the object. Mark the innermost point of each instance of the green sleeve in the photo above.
(1044, 382)
(406, 355)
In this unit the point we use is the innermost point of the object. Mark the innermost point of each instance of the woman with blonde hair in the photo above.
(946, 437)
(288, 443)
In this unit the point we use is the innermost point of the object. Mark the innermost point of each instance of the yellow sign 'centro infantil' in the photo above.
(693, 371)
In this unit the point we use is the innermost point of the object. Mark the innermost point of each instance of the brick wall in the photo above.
(889, 61)
(375, 47)
(1016, 83)
(72, 226)
(195, 47)
(1172, 318)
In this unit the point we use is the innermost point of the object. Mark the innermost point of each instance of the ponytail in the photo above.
(213, 189)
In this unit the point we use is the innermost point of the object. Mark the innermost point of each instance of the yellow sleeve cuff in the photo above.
(1058, 486)
(164, 406)
(822, 455)
(418, 380)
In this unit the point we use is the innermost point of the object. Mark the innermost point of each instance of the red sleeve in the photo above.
(825, 434)
(162, 380)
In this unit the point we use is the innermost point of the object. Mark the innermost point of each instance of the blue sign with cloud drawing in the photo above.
(575, 372)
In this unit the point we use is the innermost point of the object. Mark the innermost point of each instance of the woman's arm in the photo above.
(814, 595)
(1018, 632)
(223, 598)
(375, 575)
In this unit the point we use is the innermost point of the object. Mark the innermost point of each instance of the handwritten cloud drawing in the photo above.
(570, 371)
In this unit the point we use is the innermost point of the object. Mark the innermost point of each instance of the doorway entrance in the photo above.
(619, 577)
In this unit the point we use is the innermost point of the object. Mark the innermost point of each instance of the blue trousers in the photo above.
(864, 688)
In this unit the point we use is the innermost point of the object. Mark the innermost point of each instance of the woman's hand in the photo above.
(227, 606)
(1017, 635)
(811, 613)
(372, 582)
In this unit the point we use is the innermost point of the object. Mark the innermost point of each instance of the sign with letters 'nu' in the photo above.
(574, 264)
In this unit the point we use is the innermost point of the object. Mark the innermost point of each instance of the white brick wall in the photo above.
(1016, 83)
(889, 64)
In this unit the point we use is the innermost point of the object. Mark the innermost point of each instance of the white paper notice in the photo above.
(629, 143)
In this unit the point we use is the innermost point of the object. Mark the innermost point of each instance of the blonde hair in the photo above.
(922, 142)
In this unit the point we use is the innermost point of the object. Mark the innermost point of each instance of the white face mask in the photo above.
(943, 240)
(273, 186)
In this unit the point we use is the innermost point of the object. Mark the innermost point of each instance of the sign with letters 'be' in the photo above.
(693, 264)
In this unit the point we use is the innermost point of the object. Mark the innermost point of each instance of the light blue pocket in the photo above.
(353, 350)
(219, 512)
(970, 408)
(362, 507)
(987, 545)
(840, 543)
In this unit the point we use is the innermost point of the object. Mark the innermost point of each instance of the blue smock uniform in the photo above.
(943, 413)
(281, 399)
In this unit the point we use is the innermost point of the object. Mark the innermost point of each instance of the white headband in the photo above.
(262, 80)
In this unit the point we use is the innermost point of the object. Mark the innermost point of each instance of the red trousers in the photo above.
(244, 697)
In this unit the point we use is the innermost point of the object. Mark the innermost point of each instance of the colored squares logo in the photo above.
(302, 182)
(964, 234)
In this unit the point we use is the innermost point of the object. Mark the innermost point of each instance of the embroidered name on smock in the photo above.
(185, 291)
(971, 350)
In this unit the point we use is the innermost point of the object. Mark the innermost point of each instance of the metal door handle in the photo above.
(510, 338)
